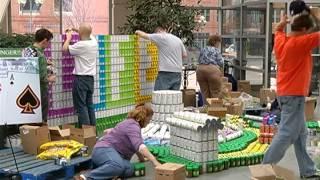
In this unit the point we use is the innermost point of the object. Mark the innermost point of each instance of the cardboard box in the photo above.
(267, 95)
(235, 94)
(189, 97)
(170, 171)
(217, 111)
(224, 80)
(33, 137)
(268, 172)
(57, 134)
(244, 86)
(86, 135)
(234, 109)
(227, 86)
(215, 102)
(310, 104)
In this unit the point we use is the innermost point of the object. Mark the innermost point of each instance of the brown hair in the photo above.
(141, 112)
(300, 22)
(213, 40)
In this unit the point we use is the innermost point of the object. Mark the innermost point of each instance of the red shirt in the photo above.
(293, 54)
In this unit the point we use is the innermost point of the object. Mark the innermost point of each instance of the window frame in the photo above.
(63, 11)
(27, 12)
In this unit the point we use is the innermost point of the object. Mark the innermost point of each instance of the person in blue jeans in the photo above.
(85, 53)
(112, 153)
(171, 53)
(293, 54)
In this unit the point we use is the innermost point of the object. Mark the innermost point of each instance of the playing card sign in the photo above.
(20, 91)
(28, 101)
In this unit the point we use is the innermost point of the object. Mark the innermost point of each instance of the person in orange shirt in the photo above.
(293, 54)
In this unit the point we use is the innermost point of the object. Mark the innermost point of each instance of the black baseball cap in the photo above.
(298, 7)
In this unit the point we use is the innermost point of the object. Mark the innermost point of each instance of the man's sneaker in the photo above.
(315, 176)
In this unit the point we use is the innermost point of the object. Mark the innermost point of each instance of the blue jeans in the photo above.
(109, 164)
(82, 93)
(292, 130)
(168, 81)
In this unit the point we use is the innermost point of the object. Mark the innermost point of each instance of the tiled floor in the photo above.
(241, 173)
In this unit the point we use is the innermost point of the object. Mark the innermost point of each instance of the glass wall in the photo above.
(243, 29)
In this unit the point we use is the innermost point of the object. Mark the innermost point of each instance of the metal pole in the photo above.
(60, 12)
(30, 7)
(268, 27)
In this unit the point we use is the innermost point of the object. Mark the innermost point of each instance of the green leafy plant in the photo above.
(148, 14)
(15, 40)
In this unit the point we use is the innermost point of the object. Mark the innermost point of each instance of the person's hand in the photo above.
(69, 34)
(156, 163)
(50, 62)
(284, 19)
(75, 30)
(107, 131)
(51, 78)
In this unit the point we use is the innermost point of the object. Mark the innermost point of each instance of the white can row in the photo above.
(167, 97)
(194, 156)
(205, 134)
(167, 108)
(195, 146)
(200, 118)
(161, 117)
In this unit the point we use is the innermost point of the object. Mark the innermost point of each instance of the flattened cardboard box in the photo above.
(310, 103)
(170, 171)
(268, 172)
(33, 137)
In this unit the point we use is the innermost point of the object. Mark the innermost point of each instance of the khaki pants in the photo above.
(209, 78)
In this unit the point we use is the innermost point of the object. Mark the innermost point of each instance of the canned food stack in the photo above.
(126, 70)
(313, 141)
(165, 103)
(156, 134)
(268, 129)
(194, 136)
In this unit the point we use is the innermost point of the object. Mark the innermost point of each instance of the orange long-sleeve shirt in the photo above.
(293, 54)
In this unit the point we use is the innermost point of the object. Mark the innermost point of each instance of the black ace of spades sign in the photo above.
(28, 101)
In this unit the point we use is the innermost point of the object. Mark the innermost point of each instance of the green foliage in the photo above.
(148, 14)
(15, 40)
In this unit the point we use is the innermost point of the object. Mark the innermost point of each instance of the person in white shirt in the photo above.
(84, 52)
(171, 53)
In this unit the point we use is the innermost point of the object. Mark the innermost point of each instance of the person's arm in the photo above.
(135, 137)
(66, 44)
(142, 34)
(146, 153)
(184, 51)
(219, 59)
(140, 157)
(312, 40)
(282, 24)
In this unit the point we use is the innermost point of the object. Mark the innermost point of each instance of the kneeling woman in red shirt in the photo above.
(112, 153)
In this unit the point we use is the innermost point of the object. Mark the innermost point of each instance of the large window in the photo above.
(231, 22)
(66, 6)
(30, 6)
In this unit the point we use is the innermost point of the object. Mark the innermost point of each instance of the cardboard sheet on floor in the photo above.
(269, 172)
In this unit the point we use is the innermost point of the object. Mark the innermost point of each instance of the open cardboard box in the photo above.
(57, 134)
(85, 135)
(33, 137)
(270, 172)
